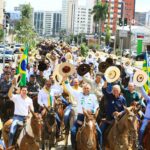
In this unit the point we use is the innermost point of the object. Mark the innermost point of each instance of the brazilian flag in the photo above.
(23, 66)
(146, 68)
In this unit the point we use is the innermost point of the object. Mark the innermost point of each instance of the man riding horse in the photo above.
(45, 98)
(88, 102)
(115, 103)
(22, 105)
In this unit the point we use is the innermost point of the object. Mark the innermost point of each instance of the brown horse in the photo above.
(49, 129)
(124, 133)
(146, 143)
(86, 138)
(30, 135)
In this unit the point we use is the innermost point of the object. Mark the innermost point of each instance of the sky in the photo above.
(52, 5)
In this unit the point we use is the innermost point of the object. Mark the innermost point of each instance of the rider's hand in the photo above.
(116, 114)
(14, 81)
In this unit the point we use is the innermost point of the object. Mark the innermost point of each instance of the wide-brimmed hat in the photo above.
(103, 66)
(42, 66)
(38, 57)
(56, 75)
(83, 69)
(112, 74)
(68, 56)
(109, 60)
(127, 63)
(140, 78)
(66, 69)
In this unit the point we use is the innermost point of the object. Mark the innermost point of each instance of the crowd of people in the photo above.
(78, 88)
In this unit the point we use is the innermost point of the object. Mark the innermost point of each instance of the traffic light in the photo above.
(7, 18)
(121, 22)
(125, 22)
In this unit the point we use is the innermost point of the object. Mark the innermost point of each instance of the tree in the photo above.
(84, 50)
(24, 28)
(1, 34)
(100, 11)
(107, 37)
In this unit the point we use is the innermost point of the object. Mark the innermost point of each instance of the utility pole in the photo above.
(121, 40)
(4, 37)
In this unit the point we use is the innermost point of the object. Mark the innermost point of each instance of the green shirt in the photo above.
(130, 97)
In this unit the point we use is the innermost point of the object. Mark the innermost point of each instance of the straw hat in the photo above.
(112, 74)
(140, 78)
(66, 69)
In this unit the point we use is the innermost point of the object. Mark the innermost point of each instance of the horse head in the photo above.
(90, 128)
(131, 122)
(50, 119)
(34, 124)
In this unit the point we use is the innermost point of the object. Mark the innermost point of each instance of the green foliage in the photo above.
(100, 11)
(1, 34)
(23, 28)
(94, 46)
(107, 37)
(84, 50)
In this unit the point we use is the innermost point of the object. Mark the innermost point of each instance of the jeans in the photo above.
(13, 128)
(142, 130)
(67, 114)
(64, 101)
(58, 124)
(74, 130)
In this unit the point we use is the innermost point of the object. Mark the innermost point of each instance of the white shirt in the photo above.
(56, 89)
(47, 73)
(21, 105)
(88, 102)
(43, 97)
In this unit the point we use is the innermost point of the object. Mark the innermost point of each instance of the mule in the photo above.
(86, 138)
(49, 129)
(30, 134)
(124, 132)
(146, 143)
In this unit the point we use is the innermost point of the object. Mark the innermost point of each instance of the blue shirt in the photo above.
(113, 104)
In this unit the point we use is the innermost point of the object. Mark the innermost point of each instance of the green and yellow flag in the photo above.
(23, 66)
(146, 68)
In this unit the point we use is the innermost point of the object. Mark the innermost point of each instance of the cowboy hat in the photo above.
(83, 69)
(56, 76)
(68, 56)
(42, 66)
(112, 74)
(66, 69)
(140, 78)
(109, 61)
(127, 63)
(38, 57)
(103, 66)
(31, 60)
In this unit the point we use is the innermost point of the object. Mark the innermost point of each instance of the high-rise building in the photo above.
(1, 12)
(147, 19)
(140, 18)
(47, 23)
(117, 9)
(76, 16)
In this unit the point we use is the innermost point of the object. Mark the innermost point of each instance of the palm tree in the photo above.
(100, 11)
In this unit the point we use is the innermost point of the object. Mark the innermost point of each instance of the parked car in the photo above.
(9, 56)
(2, 48)
(17, 48)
